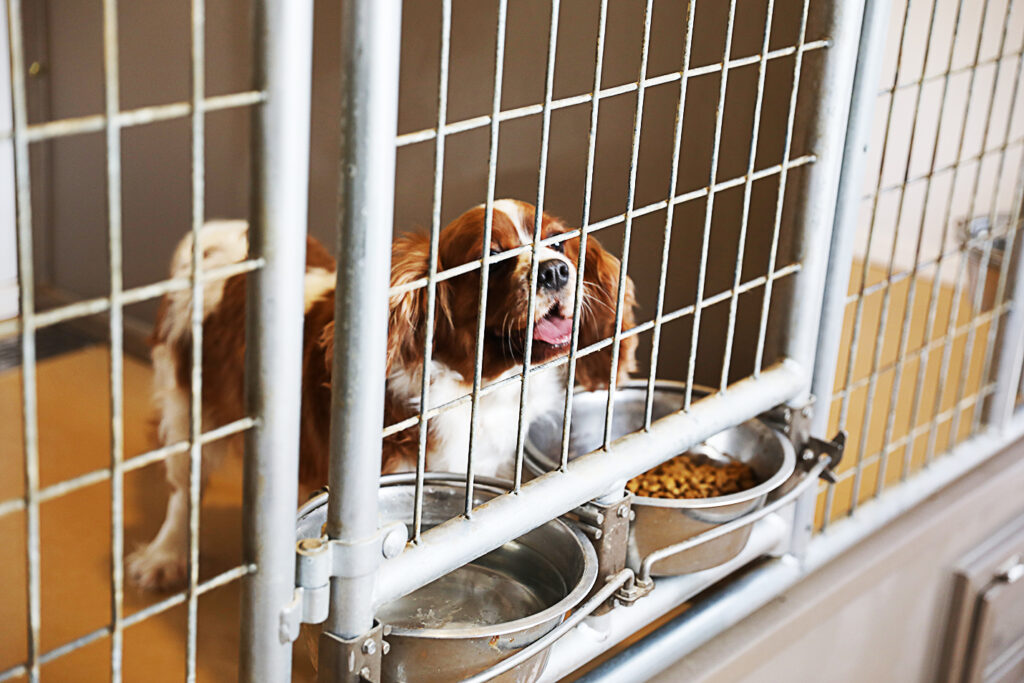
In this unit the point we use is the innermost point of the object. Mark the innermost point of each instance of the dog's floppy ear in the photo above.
(597, 316)
(407, 311)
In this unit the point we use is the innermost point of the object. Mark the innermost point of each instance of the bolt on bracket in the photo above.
(357, 659)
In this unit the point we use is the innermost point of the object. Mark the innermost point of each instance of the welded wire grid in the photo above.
(937, 225)
(444, 129)
(112, 121)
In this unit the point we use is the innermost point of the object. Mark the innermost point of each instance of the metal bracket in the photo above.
(607, 525)
(317, 560)
(357, 659)
(633, 590)
(795, 422)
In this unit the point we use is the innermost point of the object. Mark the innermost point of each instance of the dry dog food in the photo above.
(689, 476)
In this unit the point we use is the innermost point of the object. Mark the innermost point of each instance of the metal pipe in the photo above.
(112, 99)
(370, 56)
(598, 635)
(818, 195)
(283, 31)
(1010, 359)
(461, 540)
(26, 291)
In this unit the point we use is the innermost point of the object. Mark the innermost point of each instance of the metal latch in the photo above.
(833, 449)
(795, 422)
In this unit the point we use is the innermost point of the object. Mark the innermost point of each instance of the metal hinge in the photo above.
(317, 560)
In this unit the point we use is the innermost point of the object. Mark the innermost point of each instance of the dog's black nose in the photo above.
(552, 274)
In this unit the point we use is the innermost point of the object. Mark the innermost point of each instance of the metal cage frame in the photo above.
(845, 87)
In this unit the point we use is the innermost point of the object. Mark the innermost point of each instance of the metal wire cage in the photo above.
(812, 200)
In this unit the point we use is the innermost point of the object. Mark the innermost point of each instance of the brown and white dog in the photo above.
(161, 564)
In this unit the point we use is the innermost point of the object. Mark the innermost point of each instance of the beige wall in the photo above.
(879, 612)
(154, 51)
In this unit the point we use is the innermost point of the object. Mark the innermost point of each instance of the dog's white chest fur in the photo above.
(497, 417)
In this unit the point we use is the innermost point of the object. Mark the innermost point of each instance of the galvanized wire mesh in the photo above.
(937, 227)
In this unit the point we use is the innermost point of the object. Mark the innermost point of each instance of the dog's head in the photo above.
(508, 318)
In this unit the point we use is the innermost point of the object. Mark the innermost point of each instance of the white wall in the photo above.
(979, 187)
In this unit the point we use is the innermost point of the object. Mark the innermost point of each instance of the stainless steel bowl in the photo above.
(483, 612)
(662, 522)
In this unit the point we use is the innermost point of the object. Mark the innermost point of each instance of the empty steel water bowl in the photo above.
(482, 612)
(661, 522)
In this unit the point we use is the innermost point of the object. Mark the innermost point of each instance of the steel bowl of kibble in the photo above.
(729, 475)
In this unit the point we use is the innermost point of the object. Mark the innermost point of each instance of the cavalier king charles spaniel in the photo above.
(162, 563)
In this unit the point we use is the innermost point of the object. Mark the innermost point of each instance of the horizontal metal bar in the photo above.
(534, 109)
(134, 463)
(87, 307)
(587, 350)
(135, 117)
(914, 272)
(611, 221)
(604, 632)
(221, 579)
(461, 540)
(944, 74)
(895, 187)
(924, 349)
(920, 430)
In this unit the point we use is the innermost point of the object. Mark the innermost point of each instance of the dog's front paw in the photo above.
(157, 568)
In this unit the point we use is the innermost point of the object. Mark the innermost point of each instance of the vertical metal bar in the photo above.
(915, 409)
(435, 232)
(538, 223)
(709, 207)
(876, 360)
(26, 281)
(840, 261)
(779, 203)
(581, 260)
(982, 272)
(655, 343)
(198, 120)
(1004, 269)
(112, 105)
(283, 39)
(638, 118)
(912, 287)
(371, 31)
(677, 143)
(1010, 359)
(958, 289)
(747, 188)
(481, 313)
(858, 315)
(817, 208)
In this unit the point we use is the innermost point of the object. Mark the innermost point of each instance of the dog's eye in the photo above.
(495, 251)
(559, 247)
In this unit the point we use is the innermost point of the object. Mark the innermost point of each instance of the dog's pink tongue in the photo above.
(553, 329)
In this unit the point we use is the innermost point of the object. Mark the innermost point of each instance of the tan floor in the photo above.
(74, 439)
(75, 532)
